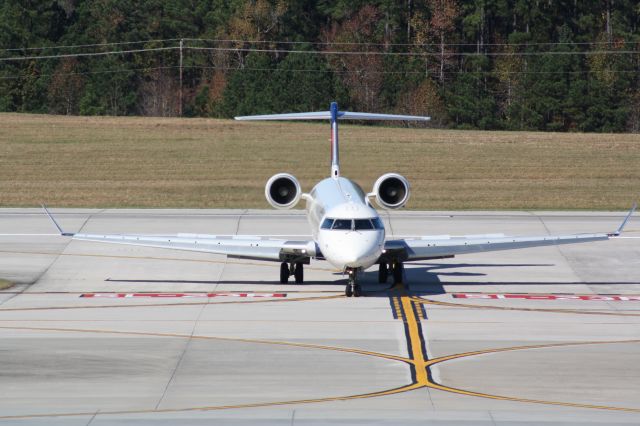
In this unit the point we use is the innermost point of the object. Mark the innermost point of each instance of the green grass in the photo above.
(206, 163)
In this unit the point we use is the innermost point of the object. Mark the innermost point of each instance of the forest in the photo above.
(479, 64)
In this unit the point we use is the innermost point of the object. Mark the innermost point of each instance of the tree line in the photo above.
(476, 64)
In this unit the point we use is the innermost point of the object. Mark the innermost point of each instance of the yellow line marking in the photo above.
(222, 407)
(422, 365)
(415, 338)
(514, 308)
(438, 386)
(151, 305)
(418, 308)
(396, 308)
(400, 389)
(203, 337)
(416, 359)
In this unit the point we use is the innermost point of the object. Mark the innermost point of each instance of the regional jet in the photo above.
(346, 229)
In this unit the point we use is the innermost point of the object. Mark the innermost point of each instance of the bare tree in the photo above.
(65, 88)
(159, 95)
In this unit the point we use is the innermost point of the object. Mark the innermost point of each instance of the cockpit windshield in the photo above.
(362, 224)
(327, 224)
(343, 224)
(353, 224)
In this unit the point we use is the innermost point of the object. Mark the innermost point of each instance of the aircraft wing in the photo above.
(434, 247)
(423, 249)
(238, 246)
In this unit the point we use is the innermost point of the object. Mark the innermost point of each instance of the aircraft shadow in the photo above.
(264, 282)
(419, 278)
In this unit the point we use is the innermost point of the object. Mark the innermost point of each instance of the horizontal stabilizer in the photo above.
(369, 116)
(326, 115)
(333, 115)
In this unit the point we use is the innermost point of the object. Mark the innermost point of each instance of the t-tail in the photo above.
(334, 114)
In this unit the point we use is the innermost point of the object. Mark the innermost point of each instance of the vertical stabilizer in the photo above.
(335, 152)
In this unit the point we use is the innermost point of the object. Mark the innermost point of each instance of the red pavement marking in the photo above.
(174, 295)
(585, 297)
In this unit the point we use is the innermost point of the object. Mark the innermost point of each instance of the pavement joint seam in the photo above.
(184, 351)
(44, 272)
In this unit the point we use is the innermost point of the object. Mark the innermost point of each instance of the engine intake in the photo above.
(283, 191)
(391, 191)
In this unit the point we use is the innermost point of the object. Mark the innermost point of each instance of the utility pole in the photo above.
(180, 101)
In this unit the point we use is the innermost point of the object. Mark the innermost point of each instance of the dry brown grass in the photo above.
(4, 284)
(160, 162)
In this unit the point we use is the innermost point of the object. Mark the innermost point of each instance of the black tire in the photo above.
(348, 291)
(299, 273)
(383, 273)
(397, 273)
(284, 273)
(357, 291)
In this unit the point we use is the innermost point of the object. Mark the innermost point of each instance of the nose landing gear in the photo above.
(353, 288)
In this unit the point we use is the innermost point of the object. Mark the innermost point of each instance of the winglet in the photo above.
(64, 234)
(624, 222)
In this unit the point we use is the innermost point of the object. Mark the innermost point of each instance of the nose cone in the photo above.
(351, 249)
(357, 258)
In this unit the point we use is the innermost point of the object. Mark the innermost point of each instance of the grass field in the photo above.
(202, 163)
(4, 284)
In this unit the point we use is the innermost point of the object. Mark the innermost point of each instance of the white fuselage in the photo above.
(346, 228)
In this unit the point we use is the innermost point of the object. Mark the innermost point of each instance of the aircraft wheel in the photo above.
(284, 273)
(299, 273)
(397, 273)
(383, 273)
(348, 290)
(357, 291)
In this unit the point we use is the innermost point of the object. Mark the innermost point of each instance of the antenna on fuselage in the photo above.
(334, 114)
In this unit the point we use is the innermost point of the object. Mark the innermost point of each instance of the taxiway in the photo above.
(98, 334)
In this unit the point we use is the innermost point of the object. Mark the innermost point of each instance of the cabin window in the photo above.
(327, 224)
(363, 224)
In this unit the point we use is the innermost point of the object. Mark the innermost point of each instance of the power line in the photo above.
(316, 71)
(110, 71)
(181, 47)
(285, 42)
(423, 54)
(78, 46)
(333, 43)
(75, 55)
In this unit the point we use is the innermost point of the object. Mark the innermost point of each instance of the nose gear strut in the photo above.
(353, 288)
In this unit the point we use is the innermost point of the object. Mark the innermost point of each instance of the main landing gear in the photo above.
(383, 273)
(396, 269)
(353, 288)
(295, 269)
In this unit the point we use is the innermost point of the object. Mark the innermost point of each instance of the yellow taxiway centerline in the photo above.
(417, 359)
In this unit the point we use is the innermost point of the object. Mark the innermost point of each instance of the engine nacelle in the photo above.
(283, 191)
(391, 191)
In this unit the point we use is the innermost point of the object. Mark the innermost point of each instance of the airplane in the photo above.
(346, 229)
